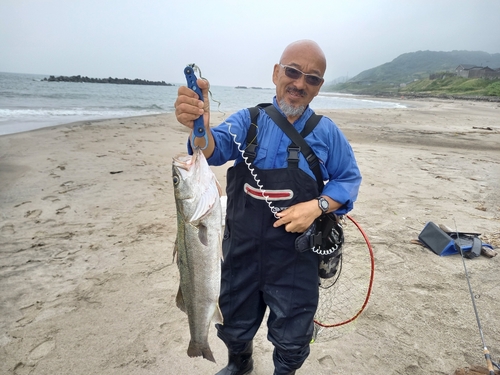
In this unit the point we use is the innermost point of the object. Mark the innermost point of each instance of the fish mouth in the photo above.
(185, 161)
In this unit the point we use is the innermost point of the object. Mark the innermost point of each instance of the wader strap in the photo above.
(251, 147)
(298, 143)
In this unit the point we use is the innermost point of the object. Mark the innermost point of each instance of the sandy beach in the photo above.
(88, 223)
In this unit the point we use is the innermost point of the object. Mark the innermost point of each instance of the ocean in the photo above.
(27, 102)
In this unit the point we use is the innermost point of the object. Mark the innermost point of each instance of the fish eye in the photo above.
(176, 180)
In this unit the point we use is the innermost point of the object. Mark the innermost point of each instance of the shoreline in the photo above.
(88, 226)
(29, 124)
(411, 101)
(76, 122)
(86, 122)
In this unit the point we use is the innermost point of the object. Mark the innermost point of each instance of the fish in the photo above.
(198, 247)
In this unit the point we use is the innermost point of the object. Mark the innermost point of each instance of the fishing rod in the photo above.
(487, 356)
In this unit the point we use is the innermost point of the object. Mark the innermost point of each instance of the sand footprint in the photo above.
(33, 214)
(7, 229)
(327, 362)
(41, 350)
(62, 210)
(20, 204)
(30, 312)
(23, 369)
(52, 198)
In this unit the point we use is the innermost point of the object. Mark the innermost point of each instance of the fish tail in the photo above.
(198, 350)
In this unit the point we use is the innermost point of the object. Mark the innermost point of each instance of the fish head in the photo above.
(183, 176)
(196, 188)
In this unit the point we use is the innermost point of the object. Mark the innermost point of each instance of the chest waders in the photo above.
(262, 269)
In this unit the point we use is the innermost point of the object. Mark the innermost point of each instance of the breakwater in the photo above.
(116, 81)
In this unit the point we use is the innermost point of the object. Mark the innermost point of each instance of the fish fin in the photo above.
(203, 234)
(179, 300)
(218, 318)
(207, 200)
(196, 350)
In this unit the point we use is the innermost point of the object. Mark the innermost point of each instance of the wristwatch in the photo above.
(323, 204)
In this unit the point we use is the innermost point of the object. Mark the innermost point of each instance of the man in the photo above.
(261, 267)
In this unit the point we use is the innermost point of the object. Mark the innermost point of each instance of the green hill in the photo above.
(453, 86)
(411, 67)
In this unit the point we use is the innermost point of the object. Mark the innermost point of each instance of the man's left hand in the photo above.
(299, 217)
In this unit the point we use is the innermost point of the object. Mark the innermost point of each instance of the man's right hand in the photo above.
(188, 107)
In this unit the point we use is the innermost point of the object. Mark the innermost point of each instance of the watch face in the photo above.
(323, 204)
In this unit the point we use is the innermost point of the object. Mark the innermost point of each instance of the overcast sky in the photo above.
(233, 42)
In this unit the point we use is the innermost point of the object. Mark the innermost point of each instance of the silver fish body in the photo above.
(198, 247)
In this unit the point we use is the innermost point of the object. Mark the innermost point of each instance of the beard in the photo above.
(291, 111)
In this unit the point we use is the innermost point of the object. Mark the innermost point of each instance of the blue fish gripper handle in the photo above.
(199, 126)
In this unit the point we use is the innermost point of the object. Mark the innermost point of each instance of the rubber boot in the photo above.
(239, 364)
(286, 363)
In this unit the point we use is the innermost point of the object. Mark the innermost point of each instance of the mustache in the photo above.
(296, 91)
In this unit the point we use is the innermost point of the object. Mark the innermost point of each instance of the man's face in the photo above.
(296, 92)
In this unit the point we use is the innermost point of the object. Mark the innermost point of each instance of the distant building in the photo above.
(474, 71)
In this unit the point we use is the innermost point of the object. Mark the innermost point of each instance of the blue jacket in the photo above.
(337, 160)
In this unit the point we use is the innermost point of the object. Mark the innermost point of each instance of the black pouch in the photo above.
(325, 237)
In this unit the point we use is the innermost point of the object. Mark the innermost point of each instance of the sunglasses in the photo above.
(293, 73)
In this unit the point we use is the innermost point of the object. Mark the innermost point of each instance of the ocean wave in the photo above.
(42, 95)
(144, 108)
(333, 101)
(68, 112)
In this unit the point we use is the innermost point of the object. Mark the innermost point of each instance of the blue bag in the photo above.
(443, 243)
